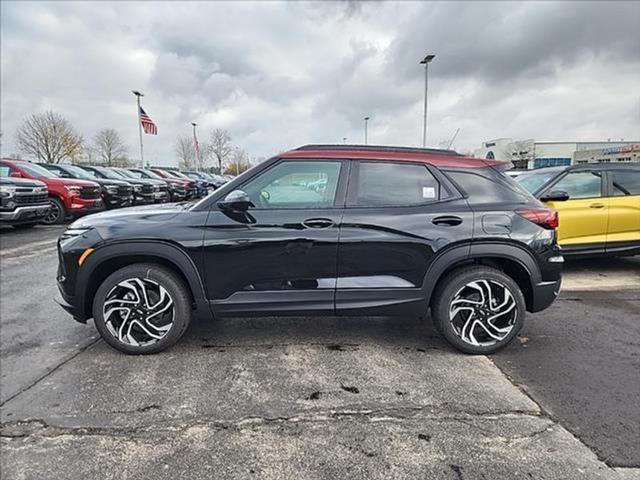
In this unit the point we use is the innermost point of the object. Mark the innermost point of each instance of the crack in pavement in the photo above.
(64, 361)
(41, 428)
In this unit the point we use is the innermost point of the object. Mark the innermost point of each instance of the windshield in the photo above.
(175, 173)
(78, 172)
(36, 170)
(533, 181)
(107, 173)
(126, 173)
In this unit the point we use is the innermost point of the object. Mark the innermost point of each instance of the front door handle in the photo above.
(597, 205)
(447, 221)
(318, 223)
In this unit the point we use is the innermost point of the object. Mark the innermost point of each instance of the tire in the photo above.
(57, 214)
(125, 290)
(469, 325)
(25, 226)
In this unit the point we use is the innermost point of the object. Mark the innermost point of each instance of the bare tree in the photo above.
(186, 151)
(49, 137)
(240, 162)
(220, 146)
(109, 147)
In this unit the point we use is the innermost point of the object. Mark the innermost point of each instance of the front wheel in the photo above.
(478, 310)
(57, 213)
(142, 308)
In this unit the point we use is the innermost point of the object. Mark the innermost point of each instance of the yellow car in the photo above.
(598, 205)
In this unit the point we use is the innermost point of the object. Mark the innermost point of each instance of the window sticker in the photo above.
(428, 192)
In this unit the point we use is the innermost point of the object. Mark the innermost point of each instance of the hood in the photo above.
(159, 213)
(21, 182)
(69, 182)
(137, 181)
(109, 181)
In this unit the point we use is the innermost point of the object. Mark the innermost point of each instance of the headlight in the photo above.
(7, 191)
(137, 188)
(112, 188)
(73, 188)
(156, 188)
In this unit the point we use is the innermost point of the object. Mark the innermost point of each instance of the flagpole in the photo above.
(197, 148)
(138, 95)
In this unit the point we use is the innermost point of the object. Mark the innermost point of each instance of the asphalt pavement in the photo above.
(315, 397)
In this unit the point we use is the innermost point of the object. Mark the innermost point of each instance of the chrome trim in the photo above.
(19, 211)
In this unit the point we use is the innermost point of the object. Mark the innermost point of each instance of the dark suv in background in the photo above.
(323, 230)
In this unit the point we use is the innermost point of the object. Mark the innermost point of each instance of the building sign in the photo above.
(624, 149)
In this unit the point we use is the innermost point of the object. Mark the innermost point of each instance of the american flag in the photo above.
(147, 124)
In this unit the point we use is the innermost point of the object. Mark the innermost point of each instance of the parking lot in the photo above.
(320, 398)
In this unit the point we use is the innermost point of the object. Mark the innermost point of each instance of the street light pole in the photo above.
(366, 136)
(426, 61)
(195, 144)
(138, 95)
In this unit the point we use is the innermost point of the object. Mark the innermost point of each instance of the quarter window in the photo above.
(394, 184)
(581, 185)
(625, 182)
(295, 184)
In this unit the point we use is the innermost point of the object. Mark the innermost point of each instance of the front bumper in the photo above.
(26, 213)
(67, 303)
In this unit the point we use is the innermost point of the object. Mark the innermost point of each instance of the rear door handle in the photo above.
(597, 205)
(447, 221)
(318, 223)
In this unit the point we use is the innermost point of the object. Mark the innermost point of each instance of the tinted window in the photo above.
(625, 182)
(487, 185)
(395, 184)
(295, 184)
(580, 185)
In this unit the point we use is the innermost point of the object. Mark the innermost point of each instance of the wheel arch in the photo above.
(513, 260)
(106, 260)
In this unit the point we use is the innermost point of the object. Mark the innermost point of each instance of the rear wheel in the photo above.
(478, 310)
(142, 308)
(57, 213)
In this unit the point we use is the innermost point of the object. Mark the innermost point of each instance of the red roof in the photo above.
(442, 158)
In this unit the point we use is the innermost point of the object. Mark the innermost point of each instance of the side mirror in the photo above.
(555, 196)
(237, 201)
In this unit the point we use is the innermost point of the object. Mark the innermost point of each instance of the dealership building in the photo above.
(530, 154)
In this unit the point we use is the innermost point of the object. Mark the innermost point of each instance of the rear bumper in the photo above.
(26, 213)
(544, 294)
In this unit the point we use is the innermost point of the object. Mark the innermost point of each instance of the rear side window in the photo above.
(625, 182)
(382, 184)
(486, 185)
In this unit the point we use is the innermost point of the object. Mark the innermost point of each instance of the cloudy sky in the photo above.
(278, 75)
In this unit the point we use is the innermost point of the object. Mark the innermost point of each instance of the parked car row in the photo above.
(33, 193)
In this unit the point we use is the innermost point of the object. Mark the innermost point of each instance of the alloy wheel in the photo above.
(138, 312)
(53, 215)
(483, 312)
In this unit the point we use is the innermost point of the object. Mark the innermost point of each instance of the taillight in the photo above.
(545, 217)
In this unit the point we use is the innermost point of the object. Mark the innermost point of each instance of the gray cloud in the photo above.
(282, 74)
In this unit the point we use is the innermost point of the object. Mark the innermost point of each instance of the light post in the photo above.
(197, 148)
(366, 124)
(138, 95)
(426, 61)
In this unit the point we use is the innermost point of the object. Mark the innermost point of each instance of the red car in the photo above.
(68, 197)
(189, 185)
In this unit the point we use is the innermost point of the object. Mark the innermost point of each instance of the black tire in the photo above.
(25, 226)
(156, 274)
(454, 283)
(57, 214)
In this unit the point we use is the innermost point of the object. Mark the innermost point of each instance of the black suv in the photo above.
(322, 230)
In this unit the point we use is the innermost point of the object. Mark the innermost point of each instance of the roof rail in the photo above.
(377, 148)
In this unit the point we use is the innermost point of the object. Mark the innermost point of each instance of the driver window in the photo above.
(581, 185)
(295, 184)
